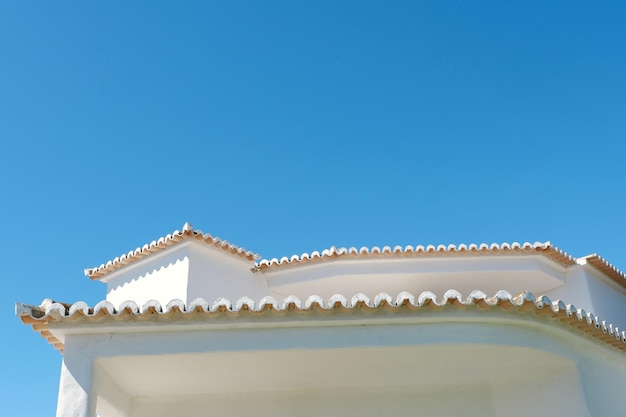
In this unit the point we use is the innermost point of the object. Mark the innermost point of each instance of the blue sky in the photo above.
(287, 128)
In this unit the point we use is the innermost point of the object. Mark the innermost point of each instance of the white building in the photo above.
(194, 326)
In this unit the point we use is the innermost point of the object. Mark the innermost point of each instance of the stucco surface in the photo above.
(192, 326)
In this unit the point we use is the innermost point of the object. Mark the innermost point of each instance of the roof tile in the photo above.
(165, 242)
(128, 312)
(545, 249)
(606, 268)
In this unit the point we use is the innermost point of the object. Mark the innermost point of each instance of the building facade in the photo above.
(194, 326)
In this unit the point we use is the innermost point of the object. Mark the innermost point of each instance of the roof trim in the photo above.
(546, 249)
(264, 265)
(605, 268)
(187, 233)
(129, 312)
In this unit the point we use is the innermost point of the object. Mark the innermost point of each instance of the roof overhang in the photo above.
(175, 238)
(54, 320)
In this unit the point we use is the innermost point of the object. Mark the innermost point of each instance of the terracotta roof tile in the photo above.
(545, 249)
(129, 312)
(606, 268)
(163, 243)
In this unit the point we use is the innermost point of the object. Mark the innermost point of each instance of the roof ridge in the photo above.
(187, 232)
(545, 248)
(606, 268)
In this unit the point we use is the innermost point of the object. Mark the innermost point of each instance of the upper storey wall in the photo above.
(162, 277)
(192, 269)
(588, 289)
(580, 285)
(186, 271)
(214, 274)
(489, 274)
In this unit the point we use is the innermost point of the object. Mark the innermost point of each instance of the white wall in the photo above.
(214, 273)
(605, 379)
(162, 277)
(455, 401)
(438, 274)
(593, 293)
(442, 364)
(192, 270)
(186, 271)
(541, 394)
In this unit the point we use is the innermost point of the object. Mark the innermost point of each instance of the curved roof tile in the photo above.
(606, 268)
(545, 249)
(129, 312)
(165, 242)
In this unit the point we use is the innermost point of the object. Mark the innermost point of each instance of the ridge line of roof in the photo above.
(545, 248)
(606, 268)
(187, 232)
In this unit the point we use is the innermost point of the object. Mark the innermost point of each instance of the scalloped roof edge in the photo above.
(264, 265)
(545, 248)
(53, 312)
(178, 236)
(602, 265)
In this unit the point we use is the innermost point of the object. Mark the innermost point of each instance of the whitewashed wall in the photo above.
(489, 365)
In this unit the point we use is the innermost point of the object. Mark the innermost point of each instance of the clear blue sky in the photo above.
(287, 128)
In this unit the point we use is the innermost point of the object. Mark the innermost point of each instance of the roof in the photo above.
(606, 268)
(188, 233)
(546, 249)
(176, 237)
(129, 313)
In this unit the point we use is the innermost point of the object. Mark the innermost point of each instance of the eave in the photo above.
(51, 314)
(176, 237)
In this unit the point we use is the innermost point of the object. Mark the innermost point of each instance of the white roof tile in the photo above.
(545, 249)
(81, 314)
(162, 243)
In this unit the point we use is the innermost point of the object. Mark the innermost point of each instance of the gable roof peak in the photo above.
(176, 237)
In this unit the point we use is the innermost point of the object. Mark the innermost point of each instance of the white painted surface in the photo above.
(301, 370)
(543, 393)
(214, 274)
(439, 274)
(191, 270)
(163, 277)
(112, 401)
(595, 293)
(184, 272)
(498, 366)
(435, 363)
(604, 380)
(76, 396)
(608, 300)
(462, 401)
